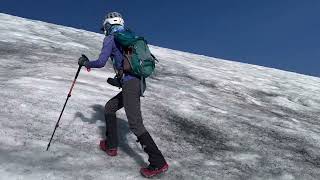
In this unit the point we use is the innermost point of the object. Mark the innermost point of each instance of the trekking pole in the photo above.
(69, 95)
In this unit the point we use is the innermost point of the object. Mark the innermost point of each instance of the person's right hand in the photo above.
(115, 82)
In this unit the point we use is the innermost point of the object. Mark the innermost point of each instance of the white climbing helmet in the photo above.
(113, 18)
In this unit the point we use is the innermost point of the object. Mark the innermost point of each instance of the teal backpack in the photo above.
(138, 59)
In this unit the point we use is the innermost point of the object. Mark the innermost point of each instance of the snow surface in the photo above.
(212, 118)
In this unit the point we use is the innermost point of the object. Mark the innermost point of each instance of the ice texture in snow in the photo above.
(212, 118)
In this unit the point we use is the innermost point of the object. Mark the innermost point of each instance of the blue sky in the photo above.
(283, 34)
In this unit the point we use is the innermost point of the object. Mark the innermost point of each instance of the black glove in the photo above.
(115, 82)
(83, 60)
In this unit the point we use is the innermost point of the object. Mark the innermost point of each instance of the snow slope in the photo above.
(212, 118)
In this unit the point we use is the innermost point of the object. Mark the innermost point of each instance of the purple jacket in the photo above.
(110, 49)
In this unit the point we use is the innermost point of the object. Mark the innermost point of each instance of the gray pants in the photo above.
(129, 98)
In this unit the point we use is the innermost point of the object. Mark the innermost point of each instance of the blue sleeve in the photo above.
(104, 54)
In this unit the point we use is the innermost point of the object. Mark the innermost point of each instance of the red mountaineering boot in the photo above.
(157, 163)
(103, 147)
(151, 171)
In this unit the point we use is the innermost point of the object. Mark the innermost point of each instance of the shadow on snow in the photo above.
(123, 131)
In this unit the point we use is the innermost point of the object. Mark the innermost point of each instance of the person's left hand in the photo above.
(83, 60)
